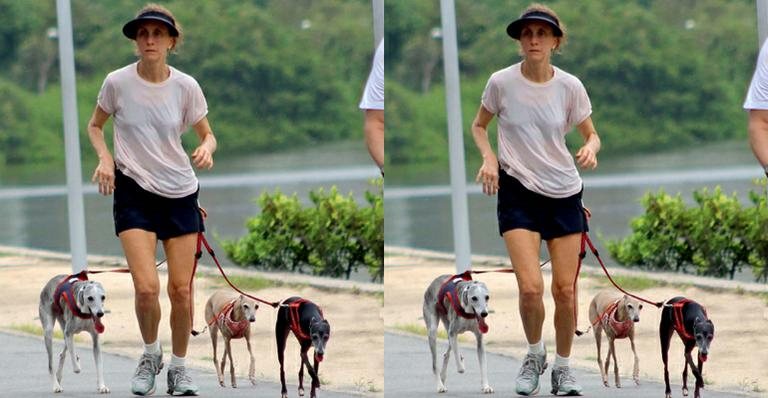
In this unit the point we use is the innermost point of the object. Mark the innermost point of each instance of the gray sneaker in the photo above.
(564, 382)
(527, 382)
(143, 381)
(180, 382)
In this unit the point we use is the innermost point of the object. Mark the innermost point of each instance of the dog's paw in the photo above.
(301, 391)
(103, 390)
(487, 390)
(605, 383)
(685, 391)
(57, 388)
(253, 380)
(441, 388)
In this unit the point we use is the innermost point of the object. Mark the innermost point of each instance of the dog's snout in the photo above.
(100, 314)
(252, 319)
(484, 314)
(637, 319)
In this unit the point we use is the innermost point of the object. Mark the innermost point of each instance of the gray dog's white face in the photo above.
(476, 296)
(632, 307)
(249, 307)
(91, 298)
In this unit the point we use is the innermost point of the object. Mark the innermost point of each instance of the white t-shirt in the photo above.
(149, 119)
(533, 119)
(757, 96)
(373, 96)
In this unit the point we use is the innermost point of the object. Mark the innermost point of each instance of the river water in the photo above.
(418, 213)
(35, 216)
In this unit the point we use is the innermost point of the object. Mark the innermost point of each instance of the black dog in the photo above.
(305, 319)
(689, 319)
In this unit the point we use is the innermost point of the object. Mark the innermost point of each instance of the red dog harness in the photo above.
(65, 290)
(608, 319)
(448, 290)
(295, 324)
(224, 320)
(678, 321)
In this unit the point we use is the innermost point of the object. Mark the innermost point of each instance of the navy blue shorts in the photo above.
(518, 207)
(134, 207)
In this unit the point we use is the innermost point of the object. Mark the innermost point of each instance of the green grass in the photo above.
(366, 385)
(38, 331)
(632, 283)
(251, 283)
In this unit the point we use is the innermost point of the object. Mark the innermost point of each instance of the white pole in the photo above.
(762, 20)
(378, 21)
(455, 138)
(71, 138)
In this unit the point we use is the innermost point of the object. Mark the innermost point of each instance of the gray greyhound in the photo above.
(77, 304)
(461, 304)
(305, 319)
(615, 314)
(689, 319)
(231, 314)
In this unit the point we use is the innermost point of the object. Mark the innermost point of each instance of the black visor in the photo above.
(129, 29)
(514, 28)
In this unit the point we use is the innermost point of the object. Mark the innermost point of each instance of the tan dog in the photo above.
(615, 314)
(232, 314)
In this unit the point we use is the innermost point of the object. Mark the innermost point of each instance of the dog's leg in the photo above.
(484, 386)
(252, 367)
(453, 337)
(315, 378)
(636, 368)
(60, 370)
(49, 322)
(433, 322)
(612, 352)
(228, 353)
(598, 330)
(665, 335)
(304, 361)
(214, 330)
(281, 335)
(69, 341)
(699, 373)
(608, 356)
(688, 360)
(99, 366)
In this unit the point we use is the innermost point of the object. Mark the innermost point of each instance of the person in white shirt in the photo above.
(373, 104)
(757, 105)
(155, 188)
(538, 185)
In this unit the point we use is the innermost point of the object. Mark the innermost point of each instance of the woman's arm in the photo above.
(587, 154)
(202, 157)
(758, 136)
(105, 171)
(489, 171)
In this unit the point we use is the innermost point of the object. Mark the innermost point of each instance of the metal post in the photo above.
(455, 138)
(762, 20)
(71, 138)
(378, 21)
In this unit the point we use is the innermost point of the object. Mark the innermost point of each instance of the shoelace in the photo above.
(147, 367)
(531, 367)
(565, 376)
(181, 376)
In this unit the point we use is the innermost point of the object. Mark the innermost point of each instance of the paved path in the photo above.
(24, 374)
(407, 373)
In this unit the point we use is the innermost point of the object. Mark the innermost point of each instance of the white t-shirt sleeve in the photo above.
(580, 107)
(196, 107)
(757, 96)
(490, 99)
(107, 98)
(373, 96)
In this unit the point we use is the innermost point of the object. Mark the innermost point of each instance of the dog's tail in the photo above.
(195, 332)
(579, 332)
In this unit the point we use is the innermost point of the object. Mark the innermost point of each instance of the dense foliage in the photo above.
(276, 74)
(334, 237)
(717, 237)
(660, 74)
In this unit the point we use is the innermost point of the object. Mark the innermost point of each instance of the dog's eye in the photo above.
(709, 338)
(474, 299)
(90, 299)
(103, 298)
(325, 338)
(245, 306)
(487, 298)
(640, 307)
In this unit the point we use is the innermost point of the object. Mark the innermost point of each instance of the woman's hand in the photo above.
(586, 157)
(202, 157)
(489, 175)
(105, 176)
